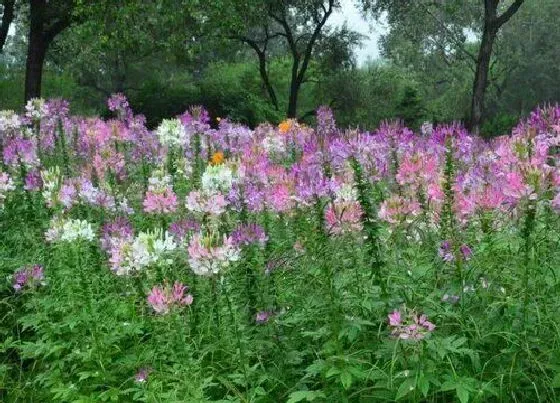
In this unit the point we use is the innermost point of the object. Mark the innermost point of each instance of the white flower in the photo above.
(69, 230)
(36, 108)
(346, 193)
(217, 178)
(52, 181)
(146, 249)
(6, 185)
(274, 144)
(9, 120)
(171, 132)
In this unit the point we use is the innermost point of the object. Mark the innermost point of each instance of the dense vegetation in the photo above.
(284, 263)
(166, 55)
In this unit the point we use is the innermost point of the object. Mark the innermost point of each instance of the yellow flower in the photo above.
(217, 158)
(285, 126)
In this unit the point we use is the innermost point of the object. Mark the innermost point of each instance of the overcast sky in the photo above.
(350, 14)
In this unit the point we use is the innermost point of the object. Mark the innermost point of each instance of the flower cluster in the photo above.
(129, 255)
(409, 326)
(69, 230)
(171, 132)
(445, 251)
(6, 185)
(163, 298)
(248, 234)
(160, 197)
(28, 277)
(208, 257)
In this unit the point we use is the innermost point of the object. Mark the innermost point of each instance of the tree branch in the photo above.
(505, 17)
(7, 18)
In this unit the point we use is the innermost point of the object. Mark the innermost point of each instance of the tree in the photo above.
(47, 19)
(493, 21)
(8, 8)
(439, 28)
(298, 24)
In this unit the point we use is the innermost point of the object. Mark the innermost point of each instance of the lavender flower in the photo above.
(247, 234)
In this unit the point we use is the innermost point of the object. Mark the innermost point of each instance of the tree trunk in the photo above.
(264, 76)
(36, 50)
(481, 77)
(295, 83)
(7, 18)
(292, 102)
(36, 53)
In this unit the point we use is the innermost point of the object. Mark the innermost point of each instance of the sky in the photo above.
(350, 14)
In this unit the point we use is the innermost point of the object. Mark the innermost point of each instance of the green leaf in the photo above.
(406, 387)
(346, 379)
(305, 395)
(462, 394)
(556, 381)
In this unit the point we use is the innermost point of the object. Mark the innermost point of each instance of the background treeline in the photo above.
(238, 59)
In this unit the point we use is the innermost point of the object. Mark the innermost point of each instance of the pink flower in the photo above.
(412, 327)
(162, 297)
(278, 198)
(395, 318)
(343, 217)
(160, 202)
(158, 300)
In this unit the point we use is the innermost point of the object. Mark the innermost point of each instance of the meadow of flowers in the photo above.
(205, 261)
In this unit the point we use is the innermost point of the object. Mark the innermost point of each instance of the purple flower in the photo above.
(182, 228)
(466, 251)
(33, 181)
(142, 375)
(263, 317)
(445, 251)
(120, 228)
(28, 277)
(247, 234)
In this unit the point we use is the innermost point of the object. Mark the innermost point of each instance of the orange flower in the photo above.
(285, 126)
(217, 158)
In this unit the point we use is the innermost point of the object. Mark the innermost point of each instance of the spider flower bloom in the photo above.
(217, 178)
(396, 209)
(69, 230)
(33, 181)
(555, 202)
(28, 277)
(247, 234)
(161, 203)
(163, 298)
(19, 150)
(171, 133)
(182, 229)
(342, 218)
(263, 316)
(207, 259)
(119, 228)
(148, 248)
(411, 327)
(142, 375)
(6, 185)
(210, 203)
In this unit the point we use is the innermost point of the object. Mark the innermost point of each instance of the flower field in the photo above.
(206, 261)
